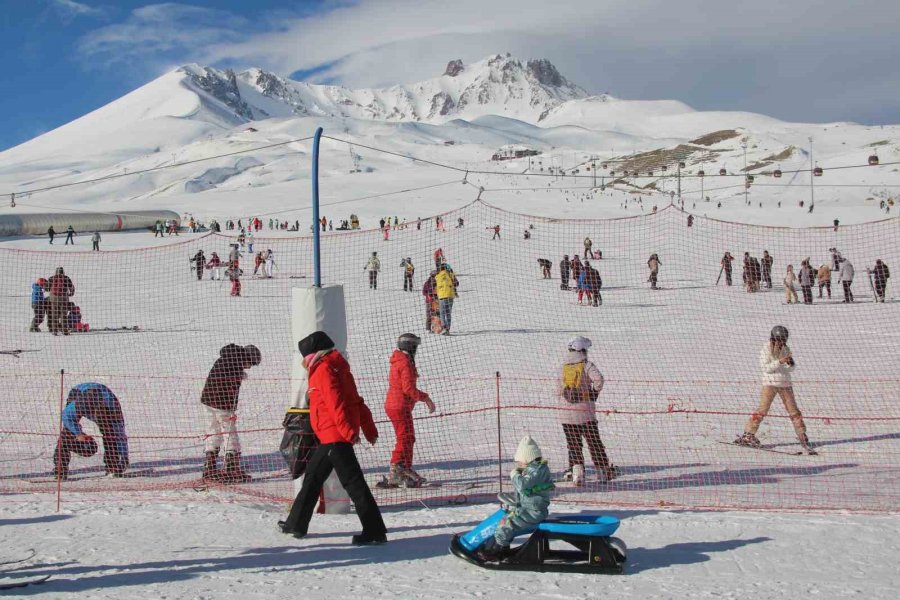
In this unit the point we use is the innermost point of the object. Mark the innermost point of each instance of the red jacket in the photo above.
(336, 409)
(402, 392)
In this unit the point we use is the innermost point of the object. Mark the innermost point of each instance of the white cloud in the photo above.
(69, 10)
(769, 55)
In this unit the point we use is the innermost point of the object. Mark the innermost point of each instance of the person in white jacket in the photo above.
(846, 278)
(790, 285)
(373, 266)
(777, 363)
(577, 392)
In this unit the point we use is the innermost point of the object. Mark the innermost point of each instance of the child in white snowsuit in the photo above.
(533, 483)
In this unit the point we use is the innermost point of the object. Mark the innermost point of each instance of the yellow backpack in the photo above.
(572, 376)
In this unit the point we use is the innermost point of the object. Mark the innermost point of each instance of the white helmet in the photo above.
(579, 343)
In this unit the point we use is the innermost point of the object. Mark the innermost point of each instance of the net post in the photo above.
(317, 266)
(499, 445)
(62, 388)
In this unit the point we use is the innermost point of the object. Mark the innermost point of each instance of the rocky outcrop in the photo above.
(223, 87)
(454, 68)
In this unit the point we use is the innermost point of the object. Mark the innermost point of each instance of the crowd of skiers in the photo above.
(758, 272)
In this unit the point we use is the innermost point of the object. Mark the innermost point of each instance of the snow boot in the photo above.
(211, 470)
(365, 539)
(233, 471)
(395, 477)
(749, 440)
(807, 447)
(578, 475)
(408, 477)
(609, 473)
(418, 478)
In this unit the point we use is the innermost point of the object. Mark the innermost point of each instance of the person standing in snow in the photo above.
(233, 273)
(220, 397)
(257, 262)
(880, 275)
(61, 289)
(38, 304)
(496, 235)
(578, 390)
(846, 279)
(576, 268)
(234, 256)
(565, 265)
(199, 260)
(824, 278)
(95, 242)
(777, 363)
(532, 482)
(158, 229)
(438, 258)
(807, 279)
(428, 291)
(408, 271)
(402, 396)
(445, 283)
(790, 285)
(215, 263)
(97, 403)
(51, 233)
(337, 414)
(69, 233)
(270, 264)
(767, 262)
(726, 266)
(373, 266)
(653, 264)
(587, 248)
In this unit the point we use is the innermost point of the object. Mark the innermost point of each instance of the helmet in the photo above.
(579, 343)
(253, 354)
(408, 342)
(42, 282)
(408, 259)
(374, 254)
(779, 333)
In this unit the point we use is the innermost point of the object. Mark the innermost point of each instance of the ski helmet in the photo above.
(579, 344)
(408, 342)
(42, 282)
(779, 333)
(253, 354)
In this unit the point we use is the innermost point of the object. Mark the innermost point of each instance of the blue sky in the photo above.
(803, 60)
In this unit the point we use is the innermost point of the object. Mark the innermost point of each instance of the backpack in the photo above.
(298, 442)
(572, 378)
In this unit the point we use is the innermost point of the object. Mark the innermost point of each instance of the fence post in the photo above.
(499, 444)
(62, 388)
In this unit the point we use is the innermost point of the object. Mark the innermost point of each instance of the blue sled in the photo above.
(595, 550)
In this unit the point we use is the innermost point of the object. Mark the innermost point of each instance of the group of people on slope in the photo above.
(51, 299)
(232, 268)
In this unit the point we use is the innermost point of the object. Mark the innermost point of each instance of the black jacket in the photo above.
(224, 380)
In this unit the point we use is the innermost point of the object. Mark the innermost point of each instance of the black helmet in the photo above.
(779, 333)
(253, 354)
(408, 342)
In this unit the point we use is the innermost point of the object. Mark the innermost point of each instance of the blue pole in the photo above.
(317, 266)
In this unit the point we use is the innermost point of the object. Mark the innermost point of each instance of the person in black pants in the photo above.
(565, 265)
(337, 413)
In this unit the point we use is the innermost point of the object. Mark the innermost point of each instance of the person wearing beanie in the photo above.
(578, 391)
(337, 413)
(220, 397)
(402, 396)
(533, 483)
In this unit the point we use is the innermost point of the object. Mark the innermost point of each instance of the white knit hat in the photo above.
(528, 450)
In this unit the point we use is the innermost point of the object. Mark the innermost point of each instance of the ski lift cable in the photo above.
(152, 169)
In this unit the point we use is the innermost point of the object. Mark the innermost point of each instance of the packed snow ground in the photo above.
(184, 549)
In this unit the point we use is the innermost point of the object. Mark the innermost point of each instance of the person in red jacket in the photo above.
(402, 396)
(337, 413)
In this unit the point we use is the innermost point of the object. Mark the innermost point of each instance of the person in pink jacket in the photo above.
(402, 396)
(578, 391)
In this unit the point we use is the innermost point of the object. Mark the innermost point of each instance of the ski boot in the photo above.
(807, 447)
(233, 471)
(749, 440)
(408, 477)
(609, 473)
(420, 481)
(211, 470)
(393, 479)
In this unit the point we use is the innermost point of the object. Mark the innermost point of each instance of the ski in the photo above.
(384, 485)
(764, 449)
(12, 561)
(10, 583)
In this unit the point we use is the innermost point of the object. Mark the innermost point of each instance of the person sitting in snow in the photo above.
(73, 319)
(533, 483)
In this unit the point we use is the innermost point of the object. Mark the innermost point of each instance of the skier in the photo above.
(402, 396)
(445, 284)
(233, 273)
(215, 263)
(199, 260)
(386, 232)
(767, 262)
(234, 255)
(408, 271)
(38, 304)
(496, 235)
(438, 258)
(429, 293)
(337, 413)
(270, 264)
(61, 289)
(564, 266)
(250, 241)
(582, 284)
(823, 278)
(158, 229)
(807, 279)
(220, 397)
(578, 391)
(846, 279)
(95, 242)
(790, 285)
(532, 483)
(880, 275)
(653, 263)
(373, 266)
(593, 283)
(257, 262)
(587, 248)
(545, 265)
(51, 233)
(777, 364)
(726, 266)
(97, 403)
(836, 259)
(576, 268)
(69, 233)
